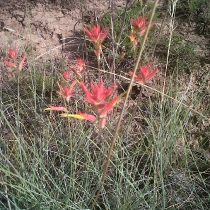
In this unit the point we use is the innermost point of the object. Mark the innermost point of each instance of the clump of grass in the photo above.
(182, 55)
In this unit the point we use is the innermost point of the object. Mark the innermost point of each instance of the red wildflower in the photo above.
(80, 66)
(143, 76)
(96, 35)
(66, 75)
(99, 98)
(98, 93)
(66, 91)
(12, 54)
(139, 25)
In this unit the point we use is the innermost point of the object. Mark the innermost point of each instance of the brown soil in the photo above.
(48, 25)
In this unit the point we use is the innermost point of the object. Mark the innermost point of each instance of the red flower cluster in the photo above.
(80, 68)
(138, 28)
(99, 97)
(65, 90)
(96, 35)
(144, 75)
(11, 58)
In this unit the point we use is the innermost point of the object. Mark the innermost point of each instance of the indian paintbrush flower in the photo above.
(66, 91)
(144, 75)
(11, 57)
(139, 25)
(66, 74)
(12, 54)
(96, 35)
(99, 98)
(98, 93)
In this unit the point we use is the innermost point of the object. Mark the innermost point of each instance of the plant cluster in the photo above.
(65, 162)
(101, 99)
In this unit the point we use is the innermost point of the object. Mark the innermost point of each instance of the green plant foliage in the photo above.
(198, 11)
(182, 55)
(122, 26)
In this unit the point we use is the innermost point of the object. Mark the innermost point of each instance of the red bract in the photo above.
(96, 35)
(10, 64)
(22, 62)
(98, 93)
(56, 108)
(139, 25)
(66, 75)
(80, 64)
(85, 116)
(66, 91)
(144, 75)
(12, 54)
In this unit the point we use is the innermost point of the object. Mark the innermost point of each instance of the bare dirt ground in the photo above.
(46, 29)
(49, 26)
